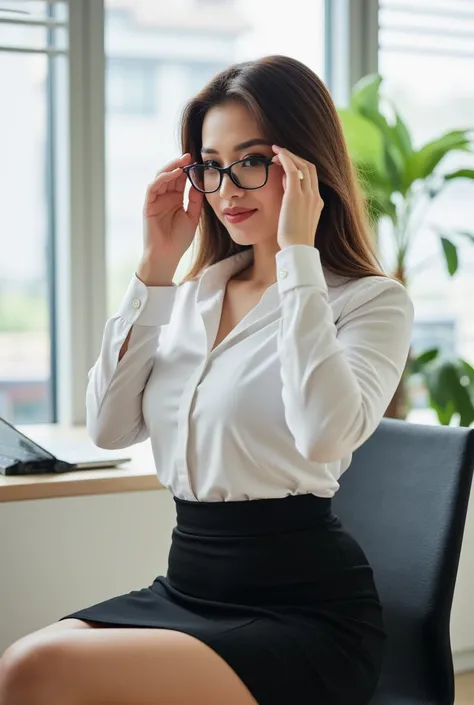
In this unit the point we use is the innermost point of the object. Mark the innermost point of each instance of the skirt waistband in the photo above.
(250, 517)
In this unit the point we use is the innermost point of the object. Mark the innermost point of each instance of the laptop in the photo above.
(20, 455)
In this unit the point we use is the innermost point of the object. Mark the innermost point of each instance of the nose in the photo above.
(228, 188)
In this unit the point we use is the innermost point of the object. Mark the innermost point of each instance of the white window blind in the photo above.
(432, 27)
(34, 26)
(426, 58)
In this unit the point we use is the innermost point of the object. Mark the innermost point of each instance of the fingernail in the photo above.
(275, 147)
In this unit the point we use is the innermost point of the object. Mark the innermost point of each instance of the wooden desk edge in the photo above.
(76, 483)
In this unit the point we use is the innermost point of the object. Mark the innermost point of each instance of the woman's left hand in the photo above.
(302, 204)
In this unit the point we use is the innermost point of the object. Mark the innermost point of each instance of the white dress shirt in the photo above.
(279, 406)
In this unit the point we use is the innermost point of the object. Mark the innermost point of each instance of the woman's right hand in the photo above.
(168, 229)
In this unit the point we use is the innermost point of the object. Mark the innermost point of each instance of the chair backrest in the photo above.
(405, 499)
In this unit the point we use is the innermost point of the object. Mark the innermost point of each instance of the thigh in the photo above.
(63, 625)
(44, 632)
(132, 667)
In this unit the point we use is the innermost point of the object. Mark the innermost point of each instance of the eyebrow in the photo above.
(239, 147)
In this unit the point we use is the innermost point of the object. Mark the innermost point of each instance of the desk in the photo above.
(137, 475)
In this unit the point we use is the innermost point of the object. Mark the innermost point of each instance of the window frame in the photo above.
(351, 50)
(81, 257)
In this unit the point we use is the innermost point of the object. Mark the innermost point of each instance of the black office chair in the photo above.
(405, 499)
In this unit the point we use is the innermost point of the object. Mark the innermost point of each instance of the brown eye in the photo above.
(250, 162)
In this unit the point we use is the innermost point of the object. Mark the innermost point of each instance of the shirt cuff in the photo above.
(147, 305)
(299, 265)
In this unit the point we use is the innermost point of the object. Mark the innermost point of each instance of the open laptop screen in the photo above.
(14, 444)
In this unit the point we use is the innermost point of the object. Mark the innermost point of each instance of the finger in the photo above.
(310, 173)
(179, 184)
(180, 161)
(194, 204)
(169, 172)
(166, 202)
(160, 184)
(165, 189)
(310, 167)
(291, 170)
(304, 167)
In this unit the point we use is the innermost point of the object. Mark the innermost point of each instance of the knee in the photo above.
(25, 673)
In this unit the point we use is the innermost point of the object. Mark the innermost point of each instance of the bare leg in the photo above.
(56, 628)
(119, 667)
(37, 637)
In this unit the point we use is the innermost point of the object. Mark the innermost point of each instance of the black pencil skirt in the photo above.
(278, 588)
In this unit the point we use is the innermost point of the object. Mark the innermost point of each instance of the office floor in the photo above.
(465, 689)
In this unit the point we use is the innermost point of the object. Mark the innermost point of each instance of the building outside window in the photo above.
(32, 78)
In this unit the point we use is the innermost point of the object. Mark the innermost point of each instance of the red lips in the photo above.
(237, 211)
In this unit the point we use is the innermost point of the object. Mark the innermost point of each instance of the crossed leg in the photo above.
(73, 663)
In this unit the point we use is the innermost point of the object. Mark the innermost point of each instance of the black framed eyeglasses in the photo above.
(250, 173)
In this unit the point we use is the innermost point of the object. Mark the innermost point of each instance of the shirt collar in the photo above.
(215, 277)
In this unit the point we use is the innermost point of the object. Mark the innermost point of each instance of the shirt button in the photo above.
(136, 303)
(283, 273)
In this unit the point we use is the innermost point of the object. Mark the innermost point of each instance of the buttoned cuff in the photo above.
(147, 305)
(299, 265)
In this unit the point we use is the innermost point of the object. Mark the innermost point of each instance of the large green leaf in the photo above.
(458, 233)
(366, 100)
(468, 371)
(438, 384)
(374, 178)
(449, 394)
(417, 364)
(402, 136)
(363, 139)
(460, 174)
(379, 206)
(395, 166)
(365, 94)
(398, 150)
(450, 254)
(377, 191)
(423, 162)
(461, 393)
(445, 414)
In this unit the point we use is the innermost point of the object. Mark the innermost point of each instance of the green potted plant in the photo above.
(398, 182)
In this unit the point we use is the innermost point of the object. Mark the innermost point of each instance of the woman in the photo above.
(255, 378)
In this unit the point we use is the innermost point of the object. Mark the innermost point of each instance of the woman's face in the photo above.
(225, 130)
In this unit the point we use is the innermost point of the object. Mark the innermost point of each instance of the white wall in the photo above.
(59, 555)
(462, 616)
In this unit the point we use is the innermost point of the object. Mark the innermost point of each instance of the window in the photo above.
(71, 191)
(187, 42)
(426, 56)
(131, 86)
(32, 53)
(198, 74)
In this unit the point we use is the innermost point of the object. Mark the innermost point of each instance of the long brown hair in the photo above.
(294, 108)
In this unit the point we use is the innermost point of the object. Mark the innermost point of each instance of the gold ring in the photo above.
(300, 175)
